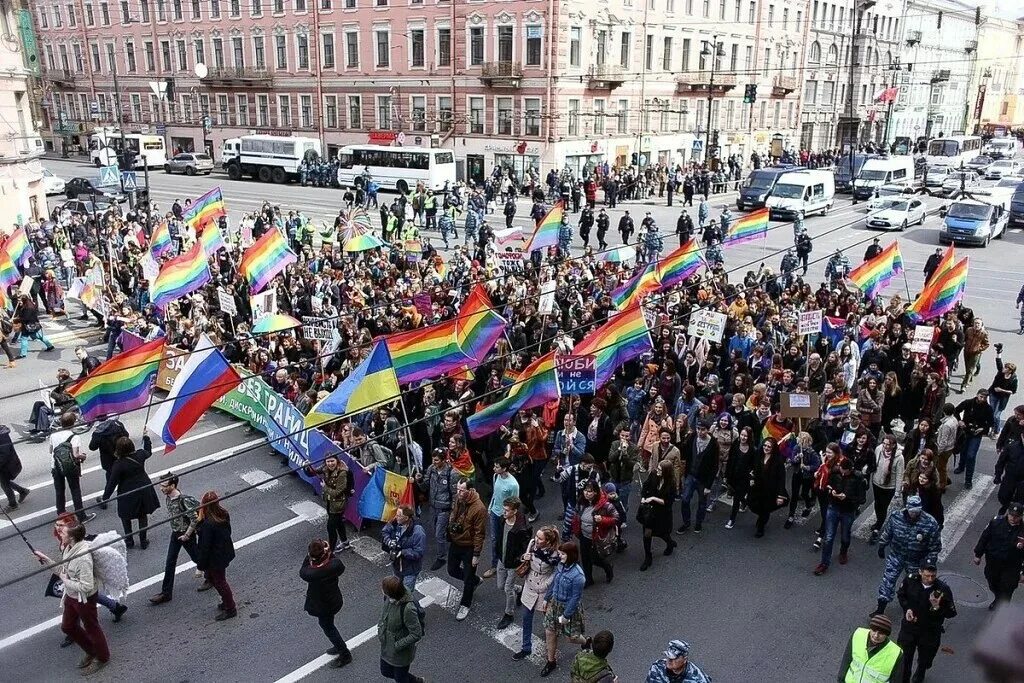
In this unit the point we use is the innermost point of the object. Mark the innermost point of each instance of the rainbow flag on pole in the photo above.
(945, 263)
(160, 243)
(679, 265)
(180, 276)
(212, 239)
(207, 208)
(633, 291)
(383, 495)
(537, 385)
(17, 247)
(747, 228)
(546, 234)
(478, 327)
(624, 337)
(426, 352)
(264, 260)
(120, 384)
(8, 271)
(873, 275)
(941, 294)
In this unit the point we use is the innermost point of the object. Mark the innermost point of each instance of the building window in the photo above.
(602, 46)
(627, 37)
(476, 115)
(575, 42)
(645, 118)
(685, 66)
(200, 49)
(574, 117)
(814, 54)
(235, 8)
(278, 6)
(327, 41)
(178, 13)
(223, 113)
(281, 52)
(257, 8)
(242, 107)
(136, 100)
(416, 47)
(666, 54)
(94, 57)
(331, 111)
(810, 92)
(284, 111)
(476, 46)
(504, 118)
(444, 47)
(263, 111)
(383, 38)
(352, 50)
(384, 112)
(598, 117)
(197, 10)
(828, 92)
(505, 44)
(752, 12)
(622, 120)
(648, 52)
(306, 111)
(182, 51)
(419, 113)
(165, 55)
(214, 9)
(218, 53)
(44, 21)
(150, 58)
(104, 14)
(302, 47)
(129, 55)
(444, 113)
(259, 55)
(531, 118)
(300, 5)
(533, 45)
(90, 20)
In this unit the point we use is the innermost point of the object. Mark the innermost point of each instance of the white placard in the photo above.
(227, 303)
(706, 324)
(318, 328)
(809, 322)
(150, 268)
(922, 341)
(546, 305)
(25, 288)
(799, 401)
(263, 303)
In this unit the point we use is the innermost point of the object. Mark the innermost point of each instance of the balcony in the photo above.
(939, 76)
(698, 81)
(605, 76)
(59, 77)
(237, 75)
(501, 74)
(913, 38)
(970, 46)
(783, 85)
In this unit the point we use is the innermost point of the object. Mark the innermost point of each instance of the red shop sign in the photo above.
(383, 136)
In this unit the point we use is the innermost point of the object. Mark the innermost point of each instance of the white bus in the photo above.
(396, 168)
(271, 157)
(953, 151)
(105, 145)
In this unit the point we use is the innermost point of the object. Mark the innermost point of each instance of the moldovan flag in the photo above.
(205, 377)
(383, 494)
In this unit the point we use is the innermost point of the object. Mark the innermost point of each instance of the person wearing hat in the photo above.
(926, 602)
(914, 540)
(871, 655)
(873, 250)
(1002, 546)
(676, 666)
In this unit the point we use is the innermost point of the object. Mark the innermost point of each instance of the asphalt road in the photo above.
(750, 608)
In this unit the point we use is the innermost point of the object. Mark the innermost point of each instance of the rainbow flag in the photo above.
(8, 271)
(370, 384)
(945, 263)
(160, 243)
(463, 464)
(747, 228)
(546, 234)
(774, 429)
(941, 294)
(426, 352)
(679, 265)
(509, 377)
(264, 260)
(624, 337)
(788, 446)
(637, 287)
(180, 276)
(873, 275)
(212, 239)
(463, 373)
(537, 385)
(478, 327)
(838, 406)
(5, 301)
(120, 384)
(17, 247)
(383, 495)
(207, 208)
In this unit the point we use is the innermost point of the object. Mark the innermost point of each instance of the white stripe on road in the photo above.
(300, 516)
(962, 513)
(259, 479)
(158, 449)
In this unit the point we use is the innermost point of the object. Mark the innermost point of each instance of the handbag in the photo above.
(31, 328)
(644, 513)
(524, 567)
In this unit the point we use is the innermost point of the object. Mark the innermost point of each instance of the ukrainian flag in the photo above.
(383, 494)
(371, 384)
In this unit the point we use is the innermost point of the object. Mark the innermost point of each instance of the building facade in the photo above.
(530, 84)
(997, 98)
(22, 196)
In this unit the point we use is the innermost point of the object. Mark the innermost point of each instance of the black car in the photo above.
(86, 208)
(77, 187)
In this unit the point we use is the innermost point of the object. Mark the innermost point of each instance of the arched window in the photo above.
(888, 58)
(815, 56)
(833, 54)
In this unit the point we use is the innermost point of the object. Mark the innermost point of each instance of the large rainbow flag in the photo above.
(624, 337)
(207, 208)
(679, 265)
(211, 238)
(633, 291)
(537, 385)
(180, 276)
(874, 274)
(17, 247)
(546, 234)
(160, 243)
(265, 259)
(945, 263)
(941, 294)
(120, 384)
(747, 228)
(8, 271)
(478, 326)
(426, 352)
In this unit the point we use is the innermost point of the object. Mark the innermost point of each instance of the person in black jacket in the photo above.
(846, 491)
(321, 570)
(136, 498)
(1002, 546)
(768, 492)
(215, 550)
(927, 602)
(104, 439)
(89, 362)
(10, 468)
(700, 454)
(510, 545)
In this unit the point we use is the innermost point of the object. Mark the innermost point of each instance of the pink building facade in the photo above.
(530, 83)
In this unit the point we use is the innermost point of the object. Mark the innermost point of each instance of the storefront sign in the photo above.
(382, 137)
(515, 149)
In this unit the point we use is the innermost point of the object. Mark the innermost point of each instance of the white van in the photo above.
(1002, 148)
(896, 170)
(801, 194)
(229, 150)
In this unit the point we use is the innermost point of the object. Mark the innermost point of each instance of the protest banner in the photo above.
(227, 303)
(25, 288)
(707, 324)
(922, 339)
(318, 328)
(546, 304)
(809, 322)
(170, 366)
(262, 303)
(424, 304)
(576, 374)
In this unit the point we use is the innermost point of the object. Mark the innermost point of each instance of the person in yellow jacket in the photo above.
(870, 656)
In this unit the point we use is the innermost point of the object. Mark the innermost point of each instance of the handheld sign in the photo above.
(809, 322)
(577, 374)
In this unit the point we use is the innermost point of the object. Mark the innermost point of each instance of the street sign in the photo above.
(161, 129)
(698, 145)
(109, 175)
(576, 374)
(129, 180)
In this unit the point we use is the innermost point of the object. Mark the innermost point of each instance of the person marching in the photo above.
(926, 602)
(398, 631)
(183, 513)
(321, 570)
(215, 551)
(870, 655)
(405, 541)
(916, 540)
(467, 527)
(676, 666)
(1002, 546)
(338, 486)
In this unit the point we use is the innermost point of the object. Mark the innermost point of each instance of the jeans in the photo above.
(623, 488)
(691, 486)
(218, 578)
(174, 547)
(107, 601)
(495, 524)
(399, 674)
(112, 341)
(80, 623)
(970, 456)
(326, 623)
(835, 519)
(507, 584)
(460, 566)
(997, 410)
(38, 336)
(336, 528)
(409, 581)
(527, 629)
(75, 485)
(441, 532)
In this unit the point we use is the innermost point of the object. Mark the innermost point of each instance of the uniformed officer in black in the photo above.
(1002, 546)
(927, 602)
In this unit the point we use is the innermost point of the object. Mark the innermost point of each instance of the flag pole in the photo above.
(907, 285)
(16, 528)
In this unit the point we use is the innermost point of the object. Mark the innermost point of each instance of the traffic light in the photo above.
(714, 138)
(634, 159)
(749, 93)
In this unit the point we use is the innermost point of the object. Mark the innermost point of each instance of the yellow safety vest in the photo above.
(865, 668)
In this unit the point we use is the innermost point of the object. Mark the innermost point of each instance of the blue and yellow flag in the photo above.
(383, 494)
(371, 384)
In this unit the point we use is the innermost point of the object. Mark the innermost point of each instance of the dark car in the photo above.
(1017, 208)
(757, 186)
(86, 208)
(77, 187)
(845, 174)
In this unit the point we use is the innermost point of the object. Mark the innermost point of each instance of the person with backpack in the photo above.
(183, 513)
(67, 454)
(591, 663)
(321, 569)
(104, 439)
(136, 499)
(399, 629)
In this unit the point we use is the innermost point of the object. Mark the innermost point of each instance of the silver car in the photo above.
(190, 163)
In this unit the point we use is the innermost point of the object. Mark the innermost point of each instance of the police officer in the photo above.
(803, 249)
(926, 602)
(914, 540)
(789, 264)
(1002, 546)
(626, 227)
(586, 222)
(684, 227)
(603, 223)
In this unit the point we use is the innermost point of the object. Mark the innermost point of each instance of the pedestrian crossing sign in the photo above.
(698, 145)
(109, 175)
(130, 181)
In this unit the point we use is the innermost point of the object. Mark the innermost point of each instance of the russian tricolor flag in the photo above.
(205, 377)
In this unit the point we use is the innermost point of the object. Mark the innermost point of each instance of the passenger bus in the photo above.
(105, 146)
(396, 168)
(953, 151)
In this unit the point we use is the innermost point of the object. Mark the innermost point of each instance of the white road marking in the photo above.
(962, 513)
(301, 515)
(258, 478)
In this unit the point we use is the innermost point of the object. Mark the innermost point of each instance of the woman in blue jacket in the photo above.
(565, 610)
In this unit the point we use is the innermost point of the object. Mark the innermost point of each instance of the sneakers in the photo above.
(696, 528)
(226, 614)
(806, 513)
(820, 569)
(730, 524)
(843, 557)
(85, 662)
(118, 611)
(817, 543)
(683, 529)
(505, 621)
(462, 613)
(204, 586)
(789, 523)
(67, 642)
(490, 573)
(521, 655)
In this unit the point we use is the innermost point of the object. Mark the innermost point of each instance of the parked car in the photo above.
(53, 184)
(86, 208)
(979, 163)
(1013, 182)
(190, 163)
(77, 187)
(957, 180)
(897, 215)
(1002, 167)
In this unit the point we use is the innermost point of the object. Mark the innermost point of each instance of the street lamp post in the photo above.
(714, 49)
(120, 127)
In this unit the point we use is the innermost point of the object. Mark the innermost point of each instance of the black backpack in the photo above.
(64, 461)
